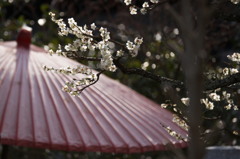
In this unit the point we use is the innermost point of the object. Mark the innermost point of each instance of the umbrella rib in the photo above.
(143, 135)
(19, 67)
(78, 110)
(4, 57)
(100, 125)
(112, 122)
(88, 109)
(42, 99)
(167, 118)
(127, 118)
(154, 109)
(146, 123)
(54, 104)
(160, 130)
(31, 86)
(92, 116)
(86, 106)
(95, 118)
(87, 123)
(114, 116)
(4, 63)
(25, 103)
(7, 100)
(31, 104)
(64, 104)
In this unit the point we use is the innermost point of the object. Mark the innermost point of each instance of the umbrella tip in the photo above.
(24, 37)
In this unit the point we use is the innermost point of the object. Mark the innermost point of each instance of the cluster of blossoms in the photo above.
(175, 134)
(133, 47)
(85, 42)
(180, 122)
(172, 106)
(213, 97)
(223, 97)
(208, 104)
(229, 71)
(235, 57)
(70, 71)
(229, 101)
(72, 86)
(145, 6)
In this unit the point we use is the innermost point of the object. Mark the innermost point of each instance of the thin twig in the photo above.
(98, 76)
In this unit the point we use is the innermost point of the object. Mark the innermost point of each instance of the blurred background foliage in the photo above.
(157, 27)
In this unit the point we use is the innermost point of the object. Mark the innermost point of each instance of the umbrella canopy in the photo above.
(107, 117)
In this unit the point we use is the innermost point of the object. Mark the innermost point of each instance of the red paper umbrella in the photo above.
(107, 117)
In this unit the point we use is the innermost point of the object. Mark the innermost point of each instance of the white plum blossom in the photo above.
(120, 53)
(143, 10)
(226, 95)
(145, 5)
(175, 134)
(235, 107)
(138, 41)
(107, 61)
(127, 2)
(51, 52)
(154, 1)
(235, 1)
(83, 48)
(70, 70)
(62, 26)
(130, 46)
(133, 10)
(93, 26)
(235, 57)
(104, 33)
(163, 105)
(229, 71)
(233, 71)
(209, 105)
(84, 41)
(185, 101)
(180, 122)
(72, 23)
(214, 96)
(228, 107)
(133, 47)
(225, 71)
(70, 47)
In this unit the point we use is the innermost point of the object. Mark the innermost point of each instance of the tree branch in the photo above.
(220, 83)
(78, 57)
(209, 85)
(98, 76)
(141, 72)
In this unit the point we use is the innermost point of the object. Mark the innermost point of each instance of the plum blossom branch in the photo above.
(141, 72)
(97, 79)
(220, 83)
